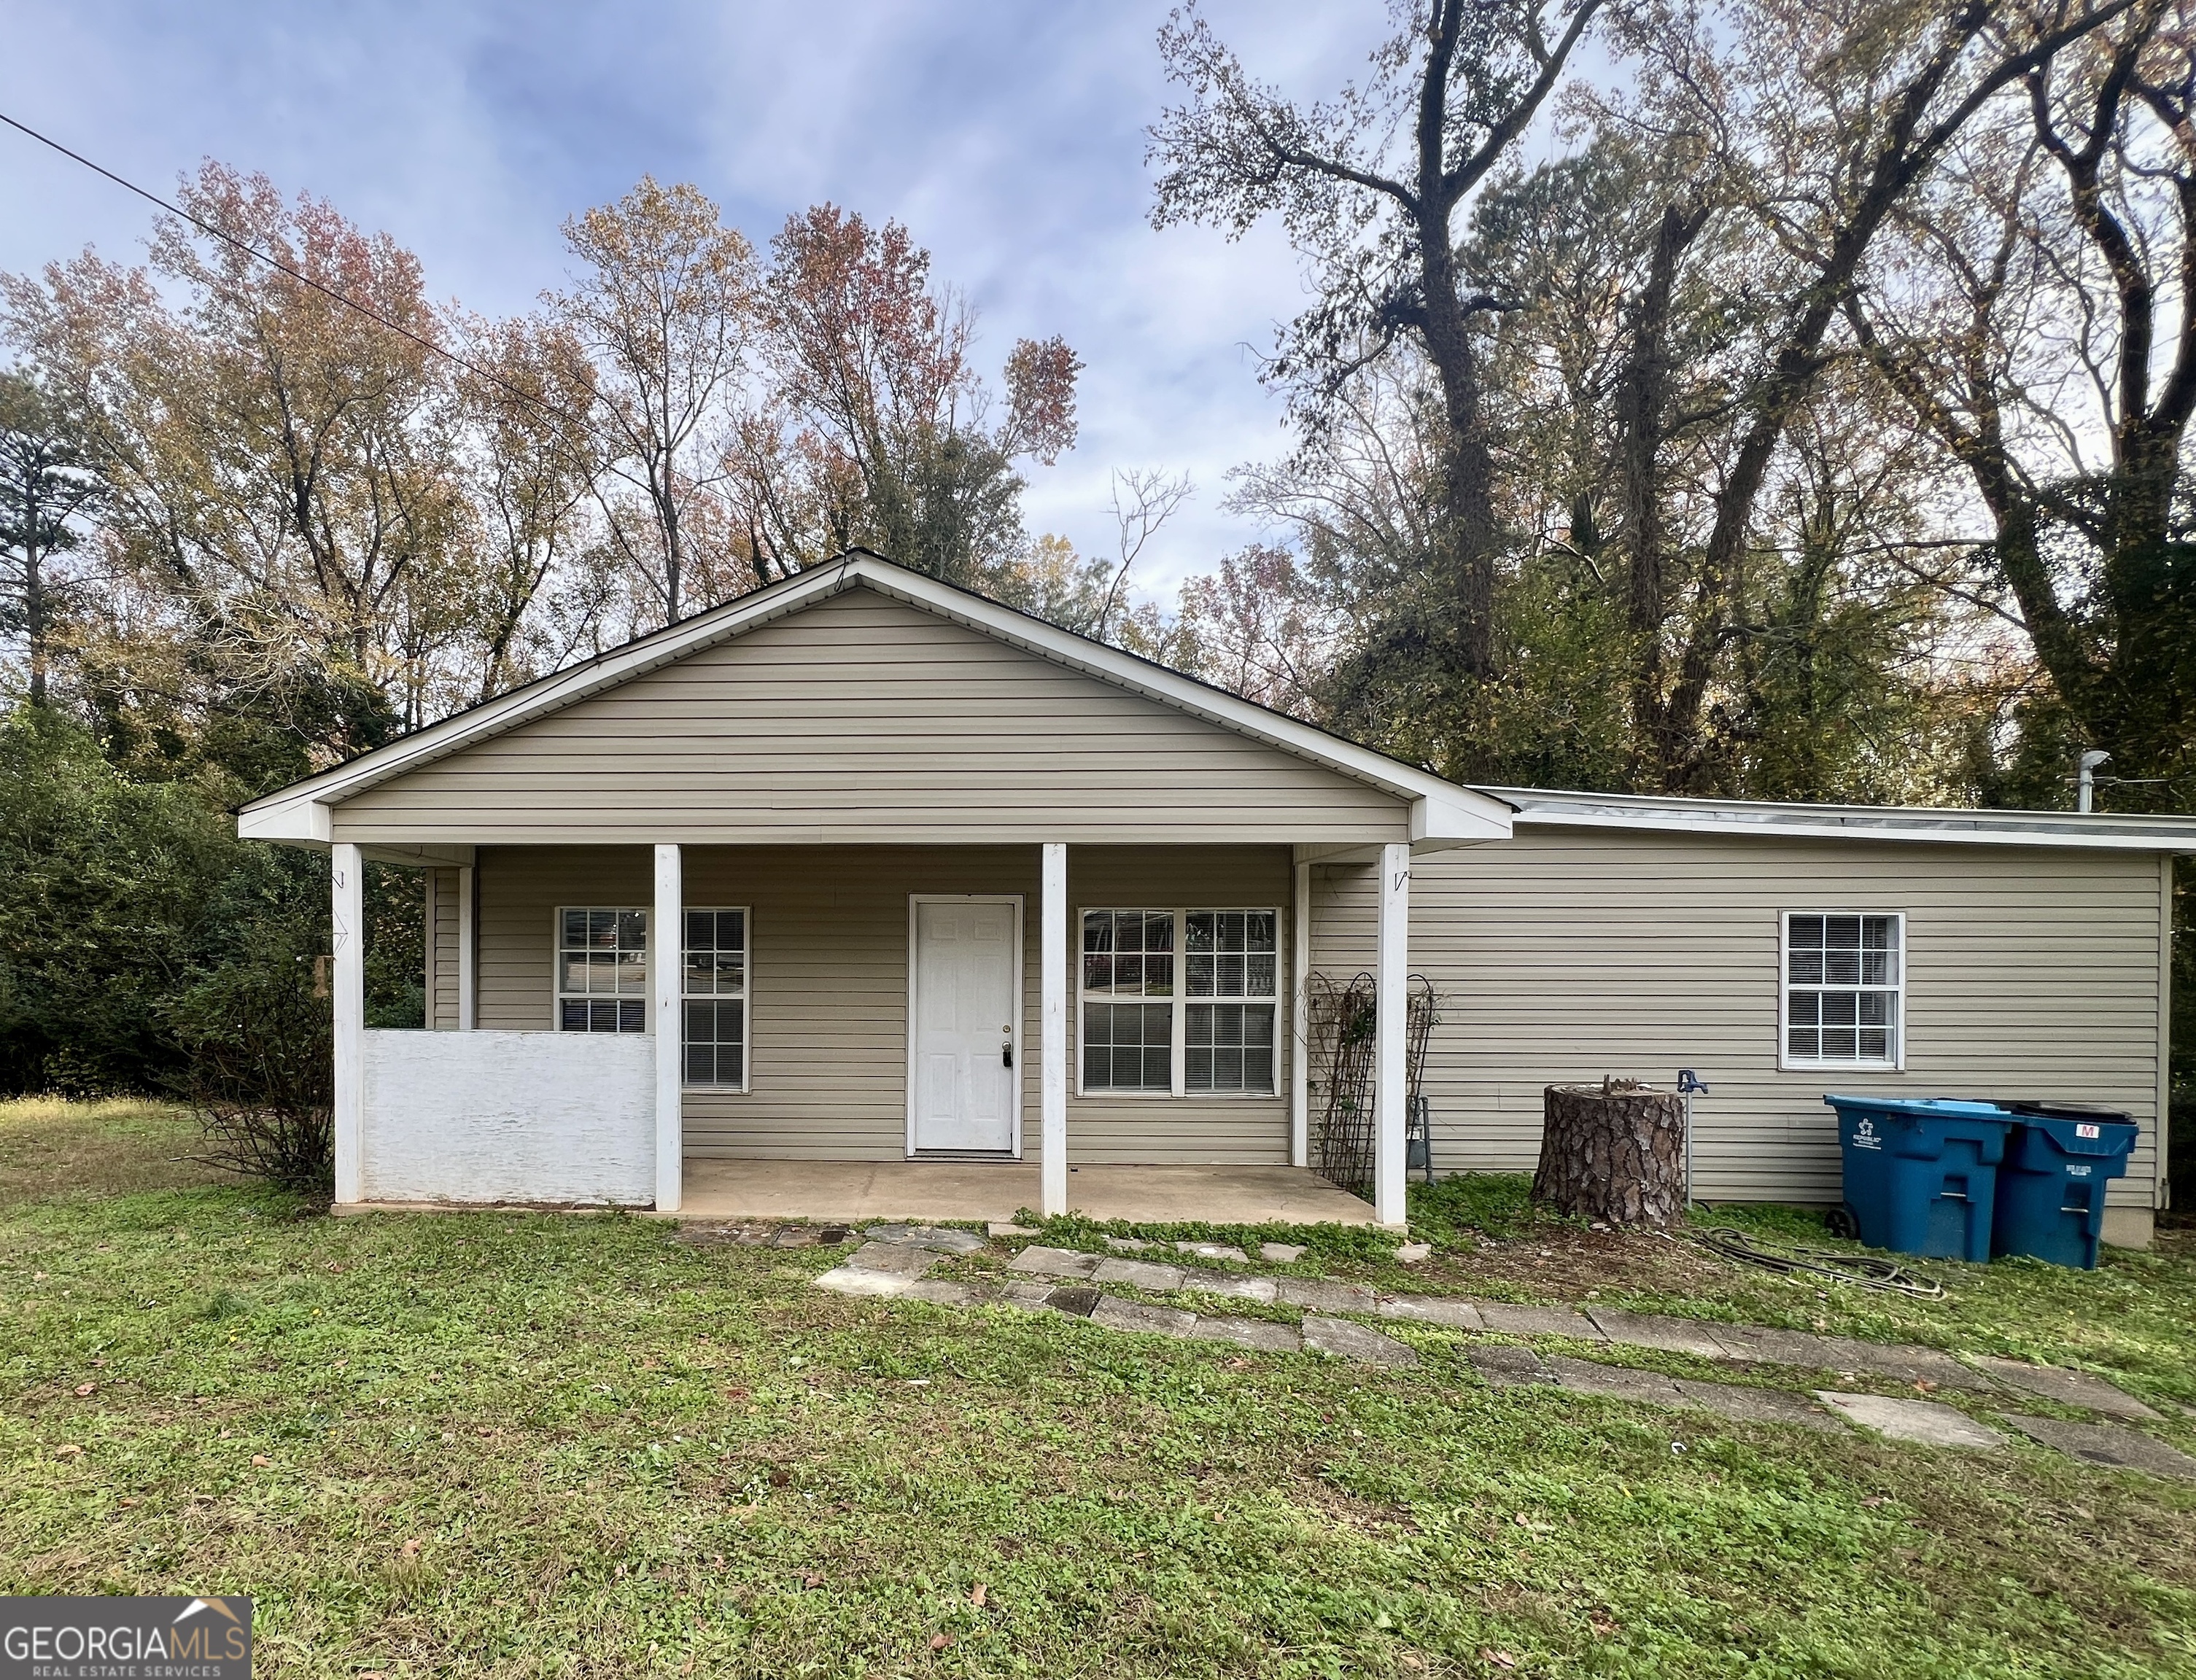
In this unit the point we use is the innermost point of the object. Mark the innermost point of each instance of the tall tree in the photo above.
(2036, 316)
(47, 482)
(1369, 186)
(281, 464)
(877, 429)
(666, 308)
(1834, 114)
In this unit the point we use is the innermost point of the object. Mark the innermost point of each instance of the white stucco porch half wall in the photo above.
(508, 1116)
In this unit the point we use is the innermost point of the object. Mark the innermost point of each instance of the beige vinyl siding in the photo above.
(827, 983)
(442, 949)
(1565, 955)
(864, 719)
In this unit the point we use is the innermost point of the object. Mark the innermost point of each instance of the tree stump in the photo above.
(1613, 1151)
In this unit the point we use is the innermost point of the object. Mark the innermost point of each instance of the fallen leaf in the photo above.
(83, 1390)
(39, 1277)
(126, 1503)
(1602, 1623)
(1499, 1659)
(260, 1461)
(1876, 1501)
(735, 1394)
(71, 1451)
(811, 1579)
(410, 1549)
(977, 1596)
(938, 1642)
(1522, 1520)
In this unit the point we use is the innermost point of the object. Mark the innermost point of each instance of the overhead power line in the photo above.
(348, 302)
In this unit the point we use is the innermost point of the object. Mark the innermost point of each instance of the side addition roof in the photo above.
(1547, 807)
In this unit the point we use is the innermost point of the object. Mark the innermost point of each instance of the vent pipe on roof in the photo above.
(2085, 783)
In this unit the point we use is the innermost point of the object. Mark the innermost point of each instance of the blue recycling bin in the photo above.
(1921, 1172)
(2051, 1185)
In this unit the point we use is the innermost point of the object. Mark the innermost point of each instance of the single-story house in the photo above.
(951, 883)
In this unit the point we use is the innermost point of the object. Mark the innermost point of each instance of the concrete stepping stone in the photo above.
(2068, 1388)
(1757, 1405)
(1214, 1251)
(1076, 1300)
(1027, 1292)
(1654, 1330)
(1904, 1363)
(1002, 1227)
(1128, 1244)
(2107, 1444)
(1764, 1346)
(1044, 1262)
(1261, 1334)
(1324, 1297)
(861, 1280)
(1431, 1309)
(944, 1238)
(1614, 1381)
(944, 1292)
(1931, 1423)
(1346, 1339)
(1508, 1320)
(1410, 1254)
(1139, 1274)
(1283, 1254)
(1264, 1290)
(1116, 1314)
(1506, 1366)
(912, 1262)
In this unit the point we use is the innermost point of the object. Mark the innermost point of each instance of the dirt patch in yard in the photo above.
(1566, 1264)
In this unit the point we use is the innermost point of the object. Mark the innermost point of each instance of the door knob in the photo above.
(1006, 1047)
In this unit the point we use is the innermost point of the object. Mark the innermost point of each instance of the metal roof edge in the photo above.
(1944, 825)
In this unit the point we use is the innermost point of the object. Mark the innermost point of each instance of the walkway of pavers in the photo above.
(896, 1259)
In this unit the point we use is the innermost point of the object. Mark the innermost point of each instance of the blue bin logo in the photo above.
(1864, 1135)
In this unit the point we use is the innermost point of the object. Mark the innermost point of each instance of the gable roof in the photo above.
(1441, 811)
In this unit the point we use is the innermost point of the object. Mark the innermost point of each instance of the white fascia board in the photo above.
(1464, 814)
(296, 818)
(1953, 828)
(1447, 816)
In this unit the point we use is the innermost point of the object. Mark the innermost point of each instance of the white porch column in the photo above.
(467, 1008)
(1300, 1023)
(666, 952)
(1391, 1090)
(348, 943)
(1054, 954)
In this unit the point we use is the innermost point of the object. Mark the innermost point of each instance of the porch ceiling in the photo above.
(852, 1191)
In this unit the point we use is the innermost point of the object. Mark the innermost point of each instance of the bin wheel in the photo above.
(1843, 1221)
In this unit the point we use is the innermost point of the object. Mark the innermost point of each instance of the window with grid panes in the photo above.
(1231, 962)
(714, 985)
(1842, 980)
(1128, 999)
(602, 971)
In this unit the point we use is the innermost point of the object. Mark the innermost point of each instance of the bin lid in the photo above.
(2066, 1110)
(2099, 1132)
(1924, 1108)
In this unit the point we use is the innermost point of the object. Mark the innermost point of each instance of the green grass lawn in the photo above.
(507, 1444)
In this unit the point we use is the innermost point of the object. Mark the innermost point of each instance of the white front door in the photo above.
(964, 1076)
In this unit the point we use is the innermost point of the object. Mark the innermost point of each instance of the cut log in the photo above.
(1613, 1151)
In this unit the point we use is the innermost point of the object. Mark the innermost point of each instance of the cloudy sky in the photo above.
(1008, 137)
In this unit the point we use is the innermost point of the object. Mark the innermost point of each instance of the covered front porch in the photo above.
(871, 1052)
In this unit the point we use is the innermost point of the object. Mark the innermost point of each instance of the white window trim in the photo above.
(1785, 1061)
(1179, 1050)
(746, 1001)
(557, 993)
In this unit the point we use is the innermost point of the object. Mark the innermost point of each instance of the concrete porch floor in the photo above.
(850, 1191)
